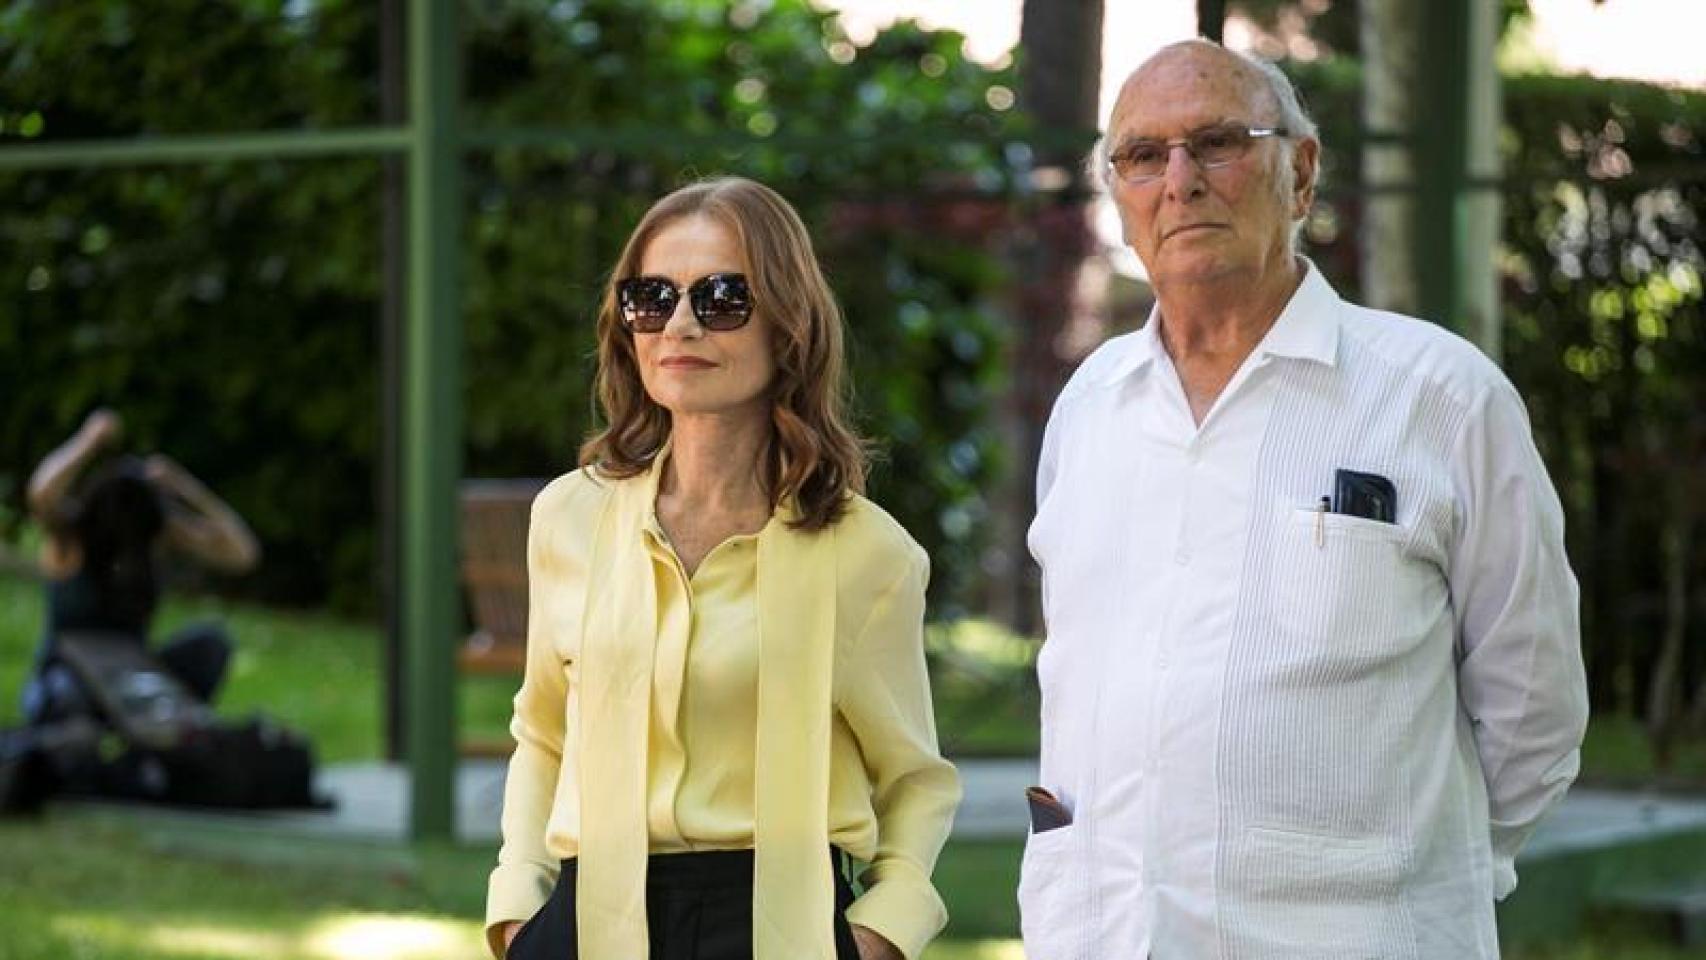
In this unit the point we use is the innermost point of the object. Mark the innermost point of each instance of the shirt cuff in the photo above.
(1504, 876)
(516, 891)
(902, 906)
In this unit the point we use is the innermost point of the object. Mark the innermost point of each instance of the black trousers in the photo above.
(698, 907)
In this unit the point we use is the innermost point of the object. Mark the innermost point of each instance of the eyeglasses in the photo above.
(1140, 161)
(720, 301)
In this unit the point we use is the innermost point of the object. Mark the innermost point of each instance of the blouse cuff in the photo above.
(901, 905)
(515, 892)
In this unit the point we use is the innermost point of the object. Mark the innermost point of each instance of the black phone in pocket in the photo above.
(1367, 495)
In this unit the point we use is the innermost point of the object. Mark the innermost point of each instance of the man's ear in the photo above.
(1305, 161)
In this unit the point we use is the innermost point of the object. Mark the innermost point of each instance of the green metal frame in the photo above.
(431, 459)
(431, 145)
(1459, 100)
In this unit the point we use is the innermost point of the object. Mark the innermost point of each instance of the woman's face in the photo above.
(687, 369)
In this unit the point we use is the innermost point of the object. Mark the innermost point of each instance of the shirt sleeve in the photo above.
(526, 871)
(1520, 672)
(885, 698)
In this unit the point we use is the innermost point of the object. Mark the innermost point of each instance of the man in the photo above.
(1312, 672)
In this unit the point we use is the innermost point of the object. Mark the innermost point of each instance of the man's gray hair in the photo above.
(1297, 122)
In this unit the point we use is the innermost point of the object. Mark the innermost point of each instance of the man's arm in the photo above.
(1520, 673)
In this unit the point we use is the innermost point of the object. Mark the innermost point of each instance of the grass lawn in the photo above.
(100, 886)
(94, 884)
(317, 673)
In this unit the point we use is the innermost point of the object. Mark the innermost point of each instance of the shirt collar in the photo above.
(650, 481)
(1307, 329)
(1141, 349)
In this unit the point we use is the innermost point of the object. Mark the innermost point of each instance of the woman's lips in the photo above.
(685, 363)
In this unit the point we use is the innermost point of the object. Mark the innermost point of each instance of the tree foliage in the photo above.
(230, 309)
(1335, 24)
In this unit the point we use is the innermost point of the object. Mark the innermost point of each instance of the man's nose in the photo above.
(1184, 175)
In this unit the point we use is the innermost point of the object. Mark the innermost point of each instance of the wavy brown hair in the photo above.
(813, 456)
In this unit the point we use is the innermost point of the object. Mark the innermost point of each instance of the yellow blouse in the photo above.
(890, 796)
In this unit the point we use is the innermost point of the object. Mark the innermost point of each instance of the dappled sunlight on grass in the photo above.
(975, 950)
(984, 639)
(343, 936)
(211, 941)
(360, 936)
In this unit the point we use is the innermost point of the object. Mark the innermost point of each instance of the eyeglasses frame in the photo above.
(1254, 133)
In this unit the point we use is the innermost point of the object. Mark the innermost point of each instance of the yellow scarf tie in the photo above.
(793, 901)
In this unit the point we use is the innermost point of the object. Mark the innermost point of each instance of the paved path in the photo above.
(372, 802)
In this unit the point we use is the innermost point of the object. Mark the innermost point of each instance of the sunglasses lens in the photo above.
(722, 301)
(647, 302)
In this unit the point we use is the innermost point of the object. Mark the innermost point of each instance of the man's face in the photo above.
(1193, 225)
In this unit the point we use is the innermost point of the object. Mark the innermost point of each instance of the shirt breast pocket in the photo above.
(1349, 584)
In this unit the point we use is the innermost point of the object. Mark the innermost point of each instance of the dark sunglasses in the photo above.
(720, 301)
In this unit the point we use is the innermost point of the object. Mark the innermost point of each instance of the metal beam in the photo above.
(393, 246)
(189, 148)
(1480, 217)
(398, 140)
(432, 414)
(1456, 224)
(1441, 159)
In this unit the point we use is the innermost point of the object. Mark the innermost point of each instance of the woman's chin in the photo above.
(697, 404)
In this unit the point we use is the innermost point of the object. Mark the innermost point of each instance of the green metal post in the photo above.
(432, 422)
(1457, 169)
(1481, 203)
(204, 148)
(1442, 167)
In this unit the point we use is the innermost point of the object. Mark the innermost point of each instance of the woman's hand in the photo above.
(873, 945)
(198, 522)
(510, 929)
(54, 476)
(102, 428)
(164, 472)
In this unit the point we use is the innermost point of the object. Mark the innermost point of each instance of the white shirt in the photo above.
(1287, 733)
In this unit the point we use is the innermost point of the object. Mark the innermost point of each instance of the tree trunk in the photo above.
(1211, 19)
(1389, 36)
(1059, 84)
(1060, 77)
(1664, 689)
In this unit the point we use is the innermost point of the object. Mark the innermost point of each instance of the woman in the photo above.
(107, 527)
(725, 692)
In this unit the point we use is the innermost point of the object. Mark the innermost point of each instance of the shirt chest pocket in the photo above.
(1349, 584)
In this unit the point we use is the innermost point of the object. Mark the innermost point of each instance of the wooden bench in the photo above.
(494, 516)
